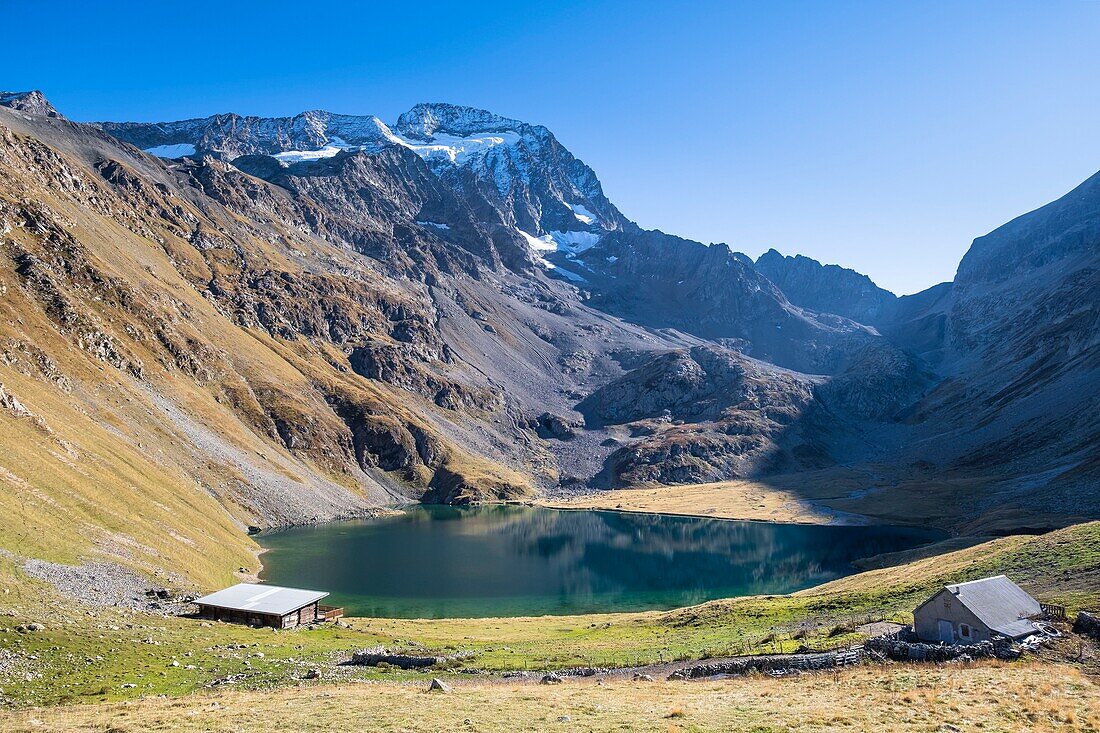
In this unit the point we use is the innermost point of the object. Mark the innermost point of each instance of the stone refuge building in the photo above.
(981, 610)
(266, 605)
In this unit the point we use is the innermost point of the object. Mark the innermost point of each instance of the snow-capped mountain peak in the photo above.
(521, 169)
(426, 119)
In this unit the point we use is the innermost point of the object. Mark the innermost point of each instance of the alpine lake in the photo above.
(506, 560)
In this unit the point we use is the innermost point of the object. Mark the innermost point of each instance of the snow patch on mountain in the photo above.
(575, 242)
(458, 150)
(544, 243)
(560, 271)
(567, 274)
(441, 148)
(583, 215)
(568, 243)
(179, 150)
(305, 156)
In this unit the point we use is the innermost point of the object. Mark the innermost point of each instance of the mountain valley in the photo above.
(299, 319)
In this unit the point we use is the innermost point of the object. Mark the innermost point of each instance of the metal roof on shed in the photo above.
(271, 599)
(999, 603)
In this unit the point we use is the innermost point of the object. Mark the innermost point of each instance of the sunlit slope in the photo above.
(143, 420)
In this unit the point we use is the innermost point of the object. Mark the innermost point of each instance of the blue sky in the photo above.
(880, 136)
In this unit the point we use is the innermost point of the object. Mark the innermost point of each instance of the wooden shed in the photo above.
(266, 605)
(981, 610)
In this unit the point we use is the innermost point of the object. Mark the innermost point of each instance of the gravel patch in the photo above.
(105, 585)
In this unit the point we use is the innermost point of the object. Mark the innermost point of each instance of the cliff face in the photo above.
(33, 102)
(1021, 348)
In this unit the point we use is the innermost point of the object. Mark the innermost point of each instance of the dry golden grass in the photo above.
(72, 492)
(993, 697)
(744, 499)
(811, 497)
(824, 496)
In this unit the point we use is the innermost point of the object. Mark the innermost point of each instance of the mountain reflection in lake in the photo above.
(437, 561)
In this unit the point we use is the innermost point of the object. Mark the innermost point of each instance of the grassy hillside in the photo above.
(70, 492)
(114, 654)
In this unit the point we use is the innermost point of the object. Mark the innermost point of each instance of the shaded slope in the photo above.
(668, 282)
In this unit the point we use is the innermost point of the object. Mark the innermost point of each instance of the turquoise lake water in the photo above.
(448, 562)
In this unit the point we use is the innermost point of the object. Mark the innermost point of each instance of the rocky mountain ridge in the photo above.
(534, 182)
(828, 288)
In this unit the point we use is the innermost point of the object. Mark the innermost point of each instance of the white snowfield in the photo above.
(459, 150)
(172, 151)
(568, 275)
(575, 242)
(441, 148)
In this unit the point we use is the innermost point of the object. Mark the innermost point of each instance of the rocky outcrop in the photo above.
(455, 483)
(33, 102)
(555, 427)
(881, 384)
(1087, 623)
(11, 403)
(703, 383)
(674, 381)
(376, 202)
(700, 415)
(400, 365)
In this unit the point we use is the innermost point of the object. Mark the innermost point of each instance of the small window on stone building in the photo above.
(964, 630)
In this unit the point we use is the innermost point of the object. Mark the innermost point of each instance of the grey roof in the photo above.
(262, 598)
(999, 603)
